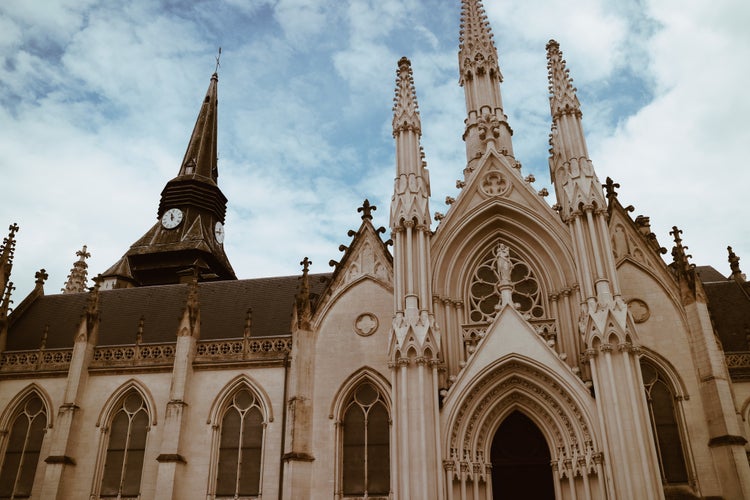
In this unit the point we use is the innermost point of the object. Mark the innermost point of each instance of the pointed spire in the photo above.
(734, 265)
(563, 99)
(680, 259)
(201, 154)
(476, 53)
(405, 107)
(7, 249)
(77, 279)
(486, 123)
(91, 314)
(302, 314)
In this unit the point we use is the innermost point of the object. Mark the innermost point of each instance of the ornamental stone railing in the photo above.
(133, 355)
(243, 349)
(738, 363)
(37, 360)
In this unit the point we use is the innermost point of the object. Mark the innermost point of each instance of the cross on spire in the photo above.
(216, 70)
(305, 263)
(41, 276)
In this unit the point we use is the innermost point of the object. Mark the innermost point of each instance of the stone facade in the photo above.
(515, 349)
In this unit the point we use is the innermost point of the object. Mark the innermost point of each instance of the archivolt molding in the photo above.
(10, 409)
(234, 385)
(133, 384)
(471, 237)
(517, 384)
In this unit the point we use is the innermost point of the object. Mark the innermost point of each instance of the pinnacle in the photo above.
(477, 52)
(405, 107)
(563, 99)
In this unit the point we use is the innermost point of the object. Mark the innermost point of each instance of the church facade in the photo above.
(505, 349)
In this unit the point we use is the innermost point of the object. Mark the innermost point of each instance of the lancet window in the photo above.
(240, 448)
(665, 424)
(126, 447)
(366, 445)
(502, 266)
(21, 456)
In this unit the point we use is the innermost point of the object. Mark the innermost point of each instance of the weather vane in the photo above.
(217, 61)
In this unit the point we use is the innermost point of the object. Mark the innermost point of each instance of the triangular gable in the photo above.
(367, 257)
(496, 177)
(511, 334)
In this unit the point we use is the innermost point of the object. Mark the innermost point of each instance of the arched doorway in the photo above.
(520, 461)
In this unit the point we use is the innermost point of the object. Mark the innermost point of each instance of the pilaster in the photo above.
(171, 458)
(64, 432)
(298, 455)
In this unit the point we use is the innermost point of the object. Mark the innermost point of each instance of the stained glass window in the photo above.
(664, 424)
(240, 446)
(123, 463)
(366, 444)
(19, 464)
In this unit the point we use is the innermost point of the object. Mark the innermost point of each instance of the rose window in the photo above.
(484, 293)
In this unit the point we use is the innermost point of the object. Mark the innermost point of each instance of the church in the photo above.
(506, 349)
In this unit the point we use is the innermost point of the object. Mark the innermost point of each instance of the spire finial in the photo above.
(610, 187)
(405, 107)
(78, 277)
(7, 249)
(216, 70)
(563, 99)
(734, 265)
(302, 313)
(367, 209)
(41, 276)
(680, 259)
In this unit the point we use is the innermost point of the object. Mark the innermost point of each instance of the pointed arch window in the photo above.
(240, 448)
(24, 445)
(126, 447)
(366, 445)
(664, 422)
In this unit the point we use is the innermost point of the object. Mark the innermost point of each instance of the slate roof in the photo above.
(729, 305)
(223, 306)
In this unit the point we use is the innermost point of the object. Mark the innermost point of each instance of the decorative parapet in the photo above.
(52, 360)
(738, 363)
(243, 349)
(133, 355)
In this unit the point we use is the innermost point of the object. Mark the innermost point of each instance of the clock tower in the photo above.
(188, 236)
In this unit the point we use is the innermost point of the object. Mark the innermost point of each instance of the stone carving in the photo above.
(366, 324)
(494, 184)
(639, 310)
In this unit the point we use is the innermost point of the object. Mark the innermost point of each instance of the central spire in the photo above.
(486, 123)
(188, 237)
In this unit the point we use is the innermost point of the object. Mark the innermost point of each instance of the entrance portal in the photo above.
(521, 461)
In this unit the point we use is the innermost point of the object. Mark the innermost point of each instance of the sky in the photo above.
(98, 100)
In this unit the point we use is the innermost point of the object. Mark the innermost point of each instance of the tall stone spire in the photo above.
(570, 167)
(415, 339)
(412, 190)
(486, 123)
(77, 279)
(189, 234)
(608, 331)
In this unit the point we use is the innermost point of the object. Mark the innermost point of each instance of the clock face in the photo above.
(219, 232)
(171, 218)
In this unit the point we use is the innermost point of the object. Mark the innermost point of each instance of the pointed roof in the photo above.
(201, 154)
(563, 99)
(405, 107)
(476, 47)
